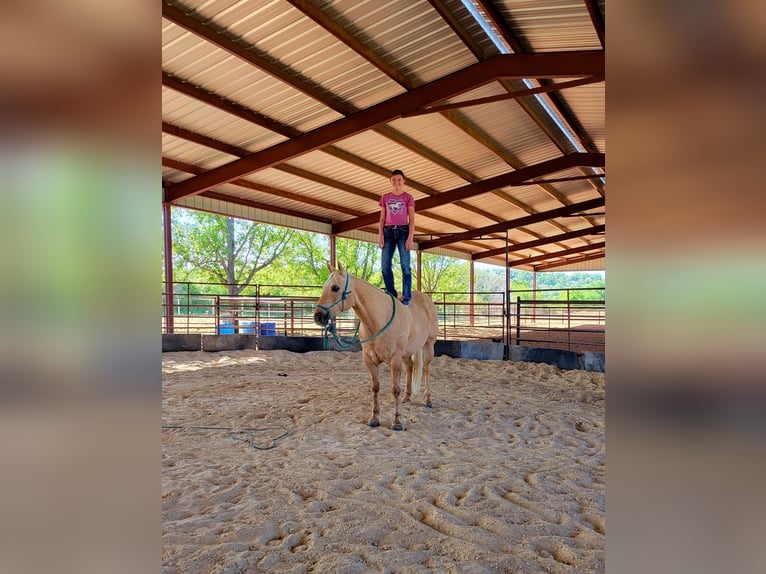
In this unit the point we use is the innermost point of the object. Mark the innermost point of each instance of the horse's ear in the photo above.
(340, 267)
(329, 267)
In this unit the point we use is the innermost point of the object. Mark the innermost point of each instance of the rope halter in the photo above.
(330, 328)
(340, 302)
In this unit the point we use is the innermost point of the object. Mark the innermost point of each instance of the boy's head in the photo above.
(397, 172)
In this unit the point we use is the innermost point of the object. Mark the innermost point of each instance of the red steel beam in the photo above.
(571, 261)
(598, 21)
(509, 96)
(508, 66)
(507, 179)
(522, 221)
(215, 37)
(538, 242)
(548, 256)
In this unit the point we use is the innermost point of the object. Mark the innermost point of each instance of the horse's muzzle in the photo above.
(321, 317)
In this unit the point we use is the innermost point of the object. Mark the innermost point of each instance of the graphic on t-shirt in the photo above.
(395, 206)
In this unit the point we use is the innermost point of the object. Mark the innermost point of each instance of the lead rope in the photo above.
(330, 328)
(245, 435)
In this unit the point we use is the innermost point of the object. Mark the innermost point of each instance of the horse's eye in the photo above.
(335, 288)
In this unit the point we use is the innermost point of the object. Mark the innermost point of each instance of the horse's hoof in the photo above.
(430, 405)
(373, 424)
(397, 427)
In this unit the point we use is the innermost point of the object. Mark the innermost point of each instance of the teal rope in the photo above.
(239, 435)
(343, 345)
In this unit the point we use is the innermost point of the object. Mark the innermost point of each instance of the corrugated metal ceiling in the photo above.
(296, 86)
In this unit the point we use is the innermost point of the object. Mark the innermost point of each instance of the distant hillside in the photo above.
(493, 280)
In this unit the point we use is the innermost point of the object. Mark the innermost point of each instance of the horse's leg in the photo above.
(396, 373)
(372, 366)
(428, 355)
(408, 388)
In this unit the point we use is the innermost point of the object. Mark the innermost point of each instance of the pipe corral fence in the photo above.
(568, 319)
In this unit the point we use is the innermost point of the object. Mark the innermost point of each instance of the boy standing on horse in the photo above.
(395, 231)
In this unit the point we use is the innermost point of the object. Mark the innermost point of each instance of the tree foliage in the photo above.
(441, 273)
(550, 285)
(360, 258)
(215, 248)
(219, 249)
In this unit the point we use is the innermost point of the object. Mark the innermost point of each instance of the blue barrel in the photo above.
(226, 329)
(247, 327)
(268, 329)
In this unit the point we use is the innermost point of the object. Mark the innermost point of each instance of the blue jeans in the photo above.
(394, 237)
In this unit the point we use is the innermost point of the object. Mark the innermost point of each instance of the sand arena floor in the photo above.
(505, 474)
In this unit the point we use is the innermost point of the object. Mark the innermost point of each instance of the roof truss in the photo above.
(509, 66)
(549, 74)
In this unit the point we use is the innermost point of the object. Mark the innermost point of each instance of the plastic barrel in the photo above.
(268, 329)
(226, 329)
(247, 327)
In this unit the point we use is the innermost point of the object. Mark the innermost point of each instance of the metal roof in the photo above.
(294, 112)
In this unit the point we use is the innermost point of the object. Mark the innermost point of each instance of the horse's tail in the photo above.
(417, 372)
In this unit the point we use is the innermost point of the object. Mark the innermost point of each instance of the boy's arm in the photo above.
(381, 223)
(411, 223)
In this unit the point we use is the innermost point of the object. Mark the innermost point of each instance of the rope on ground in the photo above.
(244, 435)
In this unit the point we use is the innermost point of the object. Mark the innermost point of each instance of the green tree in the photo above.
(441, 273)
(213, 248)
(360, 258)
(572, 281)
(305, 261)
(493, 281)
(309, 253)
(216, 248)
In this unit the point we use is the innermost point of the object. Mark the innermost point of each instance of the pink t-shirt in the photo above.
(397, 208)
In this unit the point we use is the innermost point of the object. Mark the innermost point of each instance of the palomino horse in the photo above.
(391, 333)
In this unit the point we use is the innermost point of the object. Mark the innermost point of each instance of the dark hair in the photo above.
(397, 172)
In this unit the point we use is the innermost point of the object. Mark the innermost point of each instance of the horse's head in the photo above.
(335, 296)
